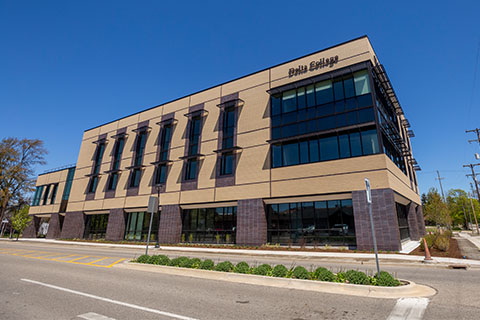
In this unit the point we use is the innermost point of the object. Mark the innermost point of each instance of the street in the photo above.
(91, 287)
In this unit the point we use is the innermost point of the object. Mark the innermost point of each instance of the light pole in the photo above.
(369, 202)
(158, 186)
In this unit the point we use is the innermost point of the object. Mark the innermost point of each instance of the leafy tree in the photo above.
(21, 219)
(458, 201)
(435, 209)
(18, 157)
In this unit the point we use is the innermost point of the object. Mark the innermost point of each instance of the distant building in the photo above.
(277, 156)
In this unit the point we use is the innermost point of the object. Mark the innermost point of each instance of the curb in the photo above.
(406, 291)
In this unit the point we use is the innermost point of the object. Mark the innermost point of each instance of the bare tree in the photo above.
(17, 161)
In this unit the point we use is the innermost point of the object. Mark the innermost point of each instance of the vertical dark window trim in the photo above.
(373, 93)
(164, 140)
(54, 193)
(139, 146)
(46, 194)
(97, 163)
(194, 113)
(115, 170)
(227, 138)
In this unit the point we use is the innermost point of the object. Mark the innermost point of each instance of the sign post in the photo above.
(152, 208)
(369, 202)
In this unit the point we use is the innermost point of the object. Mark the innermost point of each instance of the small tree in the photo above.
(435, 209)
(21, 220)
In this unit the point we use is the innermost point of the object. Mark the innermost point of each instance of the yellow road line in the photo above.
(120, 260)
(77, 259)
(56, 259)
(48, 255)
(30, 255)
(92, 262)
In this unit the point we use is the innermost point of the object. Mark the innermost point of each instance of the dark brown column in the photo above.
(384, 219)
(73, 225)
(31, 230)
(116, 225)
(413, 222)
(251, 222)
(170, 227)
(420, 222)
(54, 227)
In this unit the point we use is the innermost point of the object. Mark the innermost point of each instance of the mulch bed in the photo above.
(453, 251)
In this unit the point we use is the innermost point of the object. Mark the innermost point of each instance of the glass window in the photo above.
(276, 155)
(117, 157)
(349, 88)
(289, 101)
(304, 152)
(54, 193)
(161, 174)
(226, 166)
(135, 178)
(93, 184)
(366, 115)
(290, 154)
(277, 133)
(276, 104)
(284, 216)
(191, 172)
(328, 148)
(313, 148)
(276, 121)
(341, 120)
(344, 146)
(140, 147)
(312, 126)
(338, 88)
(351, 118)
(310, 96)
(326, 109)
(321, 215)
(308, 215)
(324, 92)
(301, 101)
(361, 80)
(112, 181)
(350, 104)
(370, 142)
(290, 130)
(326, 123)
(355, 144)
(364, 101)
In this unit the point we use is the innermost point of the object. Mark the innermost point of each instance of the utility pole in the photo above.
(441, 187)
(469, 214)
(474, 215)
(465, 215)
(477, 131)
(471, 166)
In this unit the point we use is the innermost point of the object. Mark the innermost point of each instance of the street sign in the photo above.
(369, 193)
(152, 205)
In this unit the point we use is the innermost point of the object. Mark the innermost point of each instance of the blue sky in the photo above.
(66, 66)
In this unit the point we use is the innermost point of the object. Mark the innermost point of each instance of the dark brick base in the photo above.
(413, 221)
(54, 227)
(251, 222)
(31, 230)
(170, 227)
(384, 217)
(73, 225)
(420, 222)
(116, 225)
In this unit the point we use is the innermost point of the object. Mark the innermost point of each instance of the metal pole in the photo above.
(474, 215)
(157, 245)
(152, 208)
(465, 215)
(470, 215)
(149, 232)
(369, 201)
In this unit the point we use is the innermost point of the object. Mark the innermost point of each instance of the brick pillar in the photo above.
(116, 225)
(54, 228)
(420, 221)
(413, 222)
(32, 228)
(170, 227)
(73, 225)
(251, 222)
(384, 219)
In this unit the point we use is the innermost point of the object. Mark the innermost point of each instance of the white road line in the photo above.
(409, 309)
(125, 304)
(94, 316)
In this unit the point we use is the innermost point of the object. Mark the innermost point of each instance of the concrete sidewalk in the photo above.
(271, 253)
(475, 240)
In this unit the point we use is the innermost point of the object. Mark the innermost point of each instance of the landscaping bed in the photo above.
(440, 244)
(452, 252)
(384, 279)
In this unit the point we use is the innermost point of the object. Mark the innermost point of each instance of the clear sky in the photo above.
(67, 66)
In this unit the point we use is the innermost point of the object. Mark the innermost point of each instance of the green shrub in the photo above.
(323, 274)
(195, 263)
(447, 233)
(207, 265)
(143, 258)
(301, 273)
(241, 267)
(159, 259)
(356, 277)
(263, 270)
(442, 243)
(430, 238)
(225, 266)
(385, 279)
(340, 277)
(178, 262)
(280, 271)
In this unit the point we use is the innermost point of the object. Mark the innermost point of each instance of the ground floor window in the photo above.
(312, 223)
(209, 225)
(95, 226)
(137, 224)
(402, 216)
(43, 227)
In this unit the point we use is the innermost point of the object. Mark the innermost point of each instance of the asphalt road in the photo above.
(32, 287)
